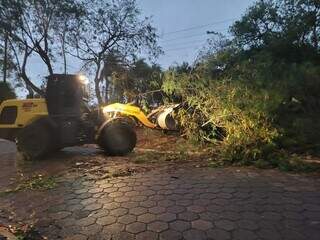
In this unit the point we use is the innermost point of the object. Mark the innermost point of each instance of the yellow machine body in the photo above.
(30, 110)
(23, 112)
(128, 110)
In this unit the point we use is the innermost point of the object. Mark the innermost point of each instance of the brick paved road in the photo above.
(186, 204)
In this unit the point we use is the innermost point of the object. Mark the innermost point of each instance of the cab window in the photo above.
(8, 115)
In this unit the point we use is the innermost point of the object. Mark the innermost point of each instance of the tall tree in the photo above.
(32, 27)
(108, 26)
(136, 80)
(6, 57)
(289, 29)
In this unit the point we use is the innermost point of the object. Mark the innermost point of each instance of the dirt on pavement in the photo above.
(152, 147)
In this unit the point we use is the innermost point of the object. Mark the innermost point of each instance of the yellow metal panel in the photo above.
(28, 111)
(129, 110)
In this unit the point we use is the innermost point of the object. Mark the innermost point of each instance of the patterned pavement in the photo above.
(190, 204)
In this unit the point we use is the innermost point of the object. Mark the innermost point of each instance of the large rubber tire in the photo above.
(117, 138)
(34, 140)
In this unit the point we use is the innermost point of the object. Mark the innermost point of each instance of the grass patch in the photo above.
(26, 232)
(296, 164)
(288, 163)
(36, 182)
(156, 157)
(281, 160)
(216, 164)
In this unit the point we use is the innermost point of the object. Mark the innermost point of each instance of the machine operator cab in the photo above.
(67, 94)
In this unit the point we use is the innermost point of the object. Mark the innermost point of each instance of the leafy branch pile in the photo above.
(241, 111)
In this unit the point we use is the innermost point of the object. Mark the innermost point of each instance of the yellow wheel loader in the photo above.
(62, 119)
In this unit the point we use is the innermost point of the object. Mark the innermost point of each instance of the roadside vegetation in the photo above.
(261, 86)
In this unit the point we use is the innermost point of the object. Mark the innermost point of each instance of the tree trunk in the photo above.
(29, 85)
(64, 57)
(108, 80)
(315, 37)
(97, 83)
(98, 94)
(63, 41)
(44, 56)
(5, 62)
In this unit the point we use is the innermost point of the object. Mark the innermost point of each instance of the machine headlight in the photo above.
(83, 79)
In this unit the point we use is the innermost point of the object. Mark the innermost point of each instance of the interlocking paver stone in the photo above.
(167, 217)
(111, 206)
(225, 224)
(218, 234)
(126, 219)
(176, 209)
(93, 229)
(136, 227)
(77, 214)
(86, 221)
(138, 211)
(194, 234)
(269, 234)
(180, 225)
(147, 218)
(77, 237)
(115, 194)
(157, 210)
(59, 215)
(129, 205)
(170, 235)
(95, 190)
(123, 236)
(188, 216)
(113, 228)
(93, 206)
(107, 220)
(157, 226)
(247, 224)
(165, 203)
(118, 212)
(196, 209)
(148, 203)
(230, 215)
(201, 202)
(201, 225)
(244, 235)
(147, 235)
(215, 208)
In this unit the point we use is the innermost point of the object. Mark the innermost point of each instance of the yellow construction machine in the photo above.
(62, 118)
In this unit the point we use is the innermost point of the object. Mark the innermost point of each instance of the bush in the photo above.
(6, 92)
(296, 111)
